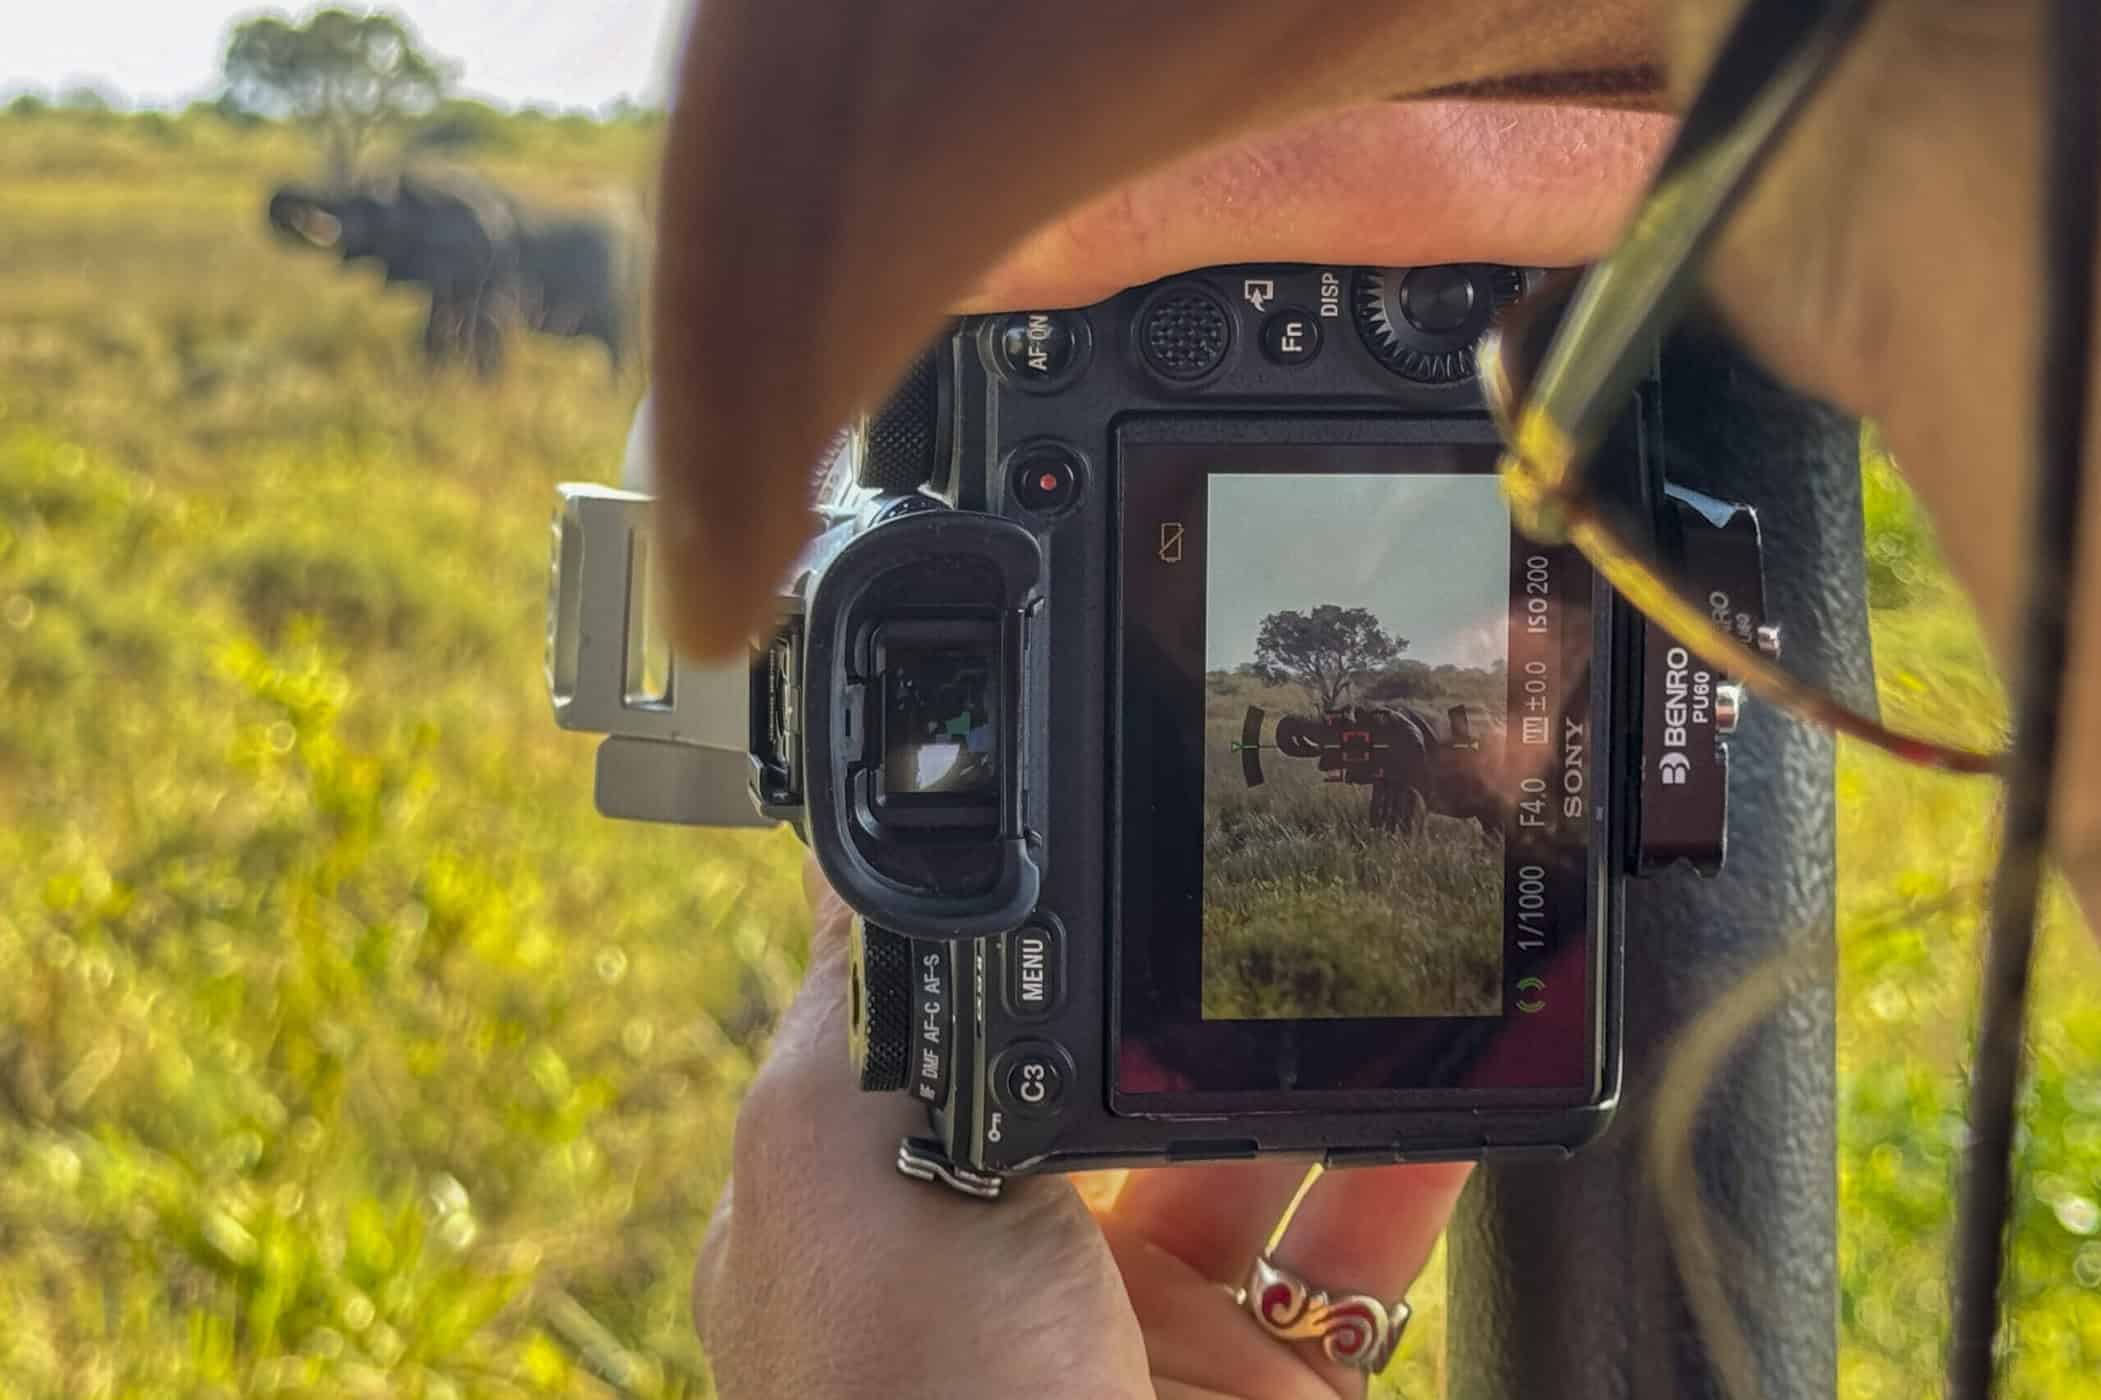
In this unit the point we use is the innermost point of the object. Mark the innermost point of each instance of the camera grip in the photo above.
(1564, 1279)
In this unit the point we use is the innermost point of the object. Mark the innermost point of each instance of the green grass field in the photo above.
(345, 1051)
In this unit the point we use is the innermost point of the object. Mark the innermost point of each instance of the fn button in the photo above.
(1035, 968)
(1291, 337)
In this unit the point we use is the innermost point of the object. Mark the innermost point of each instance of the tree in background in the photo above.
(343, 75)
(90, 98)
(1326, 649)
(626, 109)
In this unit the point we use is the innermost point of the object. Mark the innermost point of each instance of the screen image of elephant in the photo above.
(1355, 699)
(489, 264)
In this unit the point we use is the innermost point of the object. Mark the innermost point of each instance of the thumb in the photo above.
(825, 1262)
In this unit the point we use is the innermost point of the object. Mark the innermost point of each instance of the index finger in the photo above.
(1386, 183)
(836, 174)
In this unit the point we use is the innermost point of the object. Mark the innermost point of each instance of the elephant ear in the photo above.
(837, 172)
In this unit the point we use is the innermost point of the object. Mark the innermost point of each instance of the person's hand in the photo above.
(827, 1273)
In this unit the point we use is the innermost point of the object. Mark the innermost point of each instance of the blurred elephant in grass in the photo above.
(1411, 767)
(488, 263)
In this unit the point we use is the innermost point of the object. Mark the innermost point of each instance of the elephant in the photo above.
(1398, 752)
(487, 262)
(573, 277)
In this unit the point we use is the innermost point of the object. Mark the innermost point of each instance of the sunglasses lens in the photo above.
(1553, 499)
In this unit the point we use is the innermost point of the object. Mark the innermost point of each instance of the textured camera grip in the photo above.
(900, 441)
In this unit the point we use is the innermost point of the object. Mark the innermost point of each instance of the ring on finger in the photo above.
(1355, 1330)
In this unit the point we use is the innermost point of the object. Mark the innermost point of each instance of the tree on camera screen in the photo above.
(1356, 655)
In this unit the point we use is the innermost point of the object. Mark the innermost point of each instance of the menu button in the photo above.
(1035, 972)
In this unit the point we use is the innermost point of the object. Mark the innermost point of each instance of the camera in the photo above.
(1213, 770)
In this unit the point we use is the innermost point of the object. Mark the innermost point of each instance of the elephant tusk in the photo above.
(318, 226)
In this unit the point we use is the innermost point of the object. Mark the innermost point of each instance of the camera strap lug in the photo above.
(924, 1159)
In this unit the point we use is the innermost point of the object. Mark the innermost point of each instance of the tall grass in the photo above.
(343, 1048)
(1311, 911)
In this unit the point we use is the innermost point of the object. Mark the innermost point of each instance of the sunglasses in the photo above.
(1562, 366)
(1559, 373)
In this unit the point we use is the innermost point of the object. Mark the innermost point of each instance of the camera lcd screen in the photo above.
(1357, 779)
(1356, 656)
(940, 734)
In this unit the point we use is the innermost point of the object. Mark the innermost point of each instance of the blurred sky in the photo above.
(569, 53)
(1429, 555)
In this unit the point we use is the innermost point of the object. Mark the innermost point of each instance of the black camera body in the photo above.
(1212, 769)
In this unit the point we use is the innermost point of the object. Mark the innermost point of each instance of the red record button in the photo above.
(1046, 481)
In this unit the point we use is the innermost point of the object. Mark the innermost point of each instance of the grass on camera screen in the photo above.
(1356, 657)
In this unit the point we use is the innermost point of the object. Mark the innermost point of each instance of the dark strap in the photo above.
(2071, 202)
(1563, 1280)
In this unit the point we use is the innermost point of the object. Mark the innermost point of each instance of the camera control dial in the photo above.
(879, 1008)
(1423, 322)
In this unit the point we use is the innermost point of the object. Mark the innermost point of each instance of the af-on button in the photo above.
(1039, 350)
(1035, 972)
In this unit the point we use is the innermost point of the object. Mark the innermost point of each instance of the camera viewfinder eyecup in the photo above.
(928, 610)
